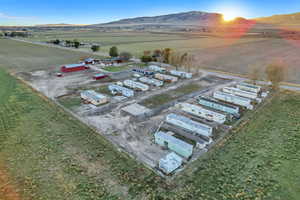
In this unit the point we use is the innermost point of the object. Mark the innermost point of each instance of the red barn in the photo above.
(74, 67)
(99, 76)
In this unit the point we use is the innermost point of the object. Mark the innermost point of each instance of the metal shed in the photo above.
(188, 124)
(170, 163)
(180, 147)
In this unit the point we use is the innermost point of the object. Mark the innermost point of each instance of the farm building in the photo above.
(100, 76)
(136, 85)
(116, 89)
(181, 74)
(188, 124)
(167, 78)
(241, 101)
(74, 67)
(202, 112)
(212, 103)
(157, 68)
(94, 97)
(151, 81)
(144, 72)
(242, 93)
(249, 87)
(180, 147)
(170, 163)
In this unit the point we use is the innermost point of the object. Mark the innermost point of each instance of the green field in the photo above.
(50, 155)
(138, 42)
(19, 56)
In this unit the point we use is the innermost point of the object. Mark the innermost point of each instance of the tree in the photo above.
(146, 59)
(125, 55)
(113, 51)
(76, 43)
(95, 48)
(57, 42)
(275, 73)
(255, 74)
(167, 54)
(68, 43)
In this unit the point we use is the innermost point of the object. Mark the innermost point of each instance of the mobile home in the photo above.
(136, 85)
(170, 163)
(94, 97)
(151, 81)
(181, 74)
(249, 87)
(117, 89)
(202, 112)
(241, 101)
(167, 78)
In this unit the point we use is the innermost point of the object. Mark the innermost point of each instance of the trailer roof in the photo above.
(216, 102)
(173, 140)
(74, 65)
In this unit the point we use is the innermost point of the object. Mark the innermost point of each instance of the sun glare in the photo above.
(229, 17)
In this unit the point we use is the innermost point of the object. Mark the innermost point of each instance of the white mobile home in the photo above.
(136, 85)
(167, 78)
(170, 163)
(242, 93)
(202, 112)
(115, 89)
(188, 124)
(94, 97)
(151, 81)
(241, 101)
(157, 68)
(181, 74)
(249, 87)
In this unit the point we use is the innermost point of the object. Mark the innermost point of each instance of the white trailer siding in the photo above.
(122, 90)
(136, 85)
(241, 101)
(202, 112)
(188, 124)
(181, 74)
(249, 87)
(164, 77)
(151, 81)
(157, 68)
(242, 93)
(94, 97)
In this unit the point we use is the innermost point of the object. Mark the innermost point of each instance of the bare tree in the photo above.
(255, 74)
(275, 73)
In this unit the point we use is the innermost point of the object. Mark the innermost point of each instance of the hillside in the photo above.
(185, 18)
(289, 19)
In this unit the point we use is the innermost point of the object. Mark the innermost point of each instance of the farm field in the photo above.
(50, 155)
(24, 57)
(138, 42)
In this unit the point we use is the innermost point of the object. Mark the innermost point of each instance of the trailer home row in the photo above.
(202, 112)
(157, 68)
(190, 125)
(136, 85)
(241, 101)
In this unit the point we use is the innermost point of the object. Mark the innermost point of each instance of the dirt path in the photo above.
(7, 189)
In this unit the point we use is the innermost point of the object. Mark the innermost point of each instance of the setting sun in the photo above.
(229, 16)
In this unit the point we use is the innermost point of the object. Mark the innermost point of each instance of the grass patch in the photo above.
(116, 68)
(70, 102)
(161, 99)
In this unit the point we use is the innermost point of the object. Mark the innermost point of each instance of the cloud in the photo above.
(9, 17)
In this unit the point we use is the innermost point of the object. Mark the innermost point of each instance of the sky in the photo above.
(32, 12)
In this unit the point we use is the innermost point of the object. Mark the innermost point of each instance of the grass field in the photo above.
(19, 56)
(50, 155)
(115, 68)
